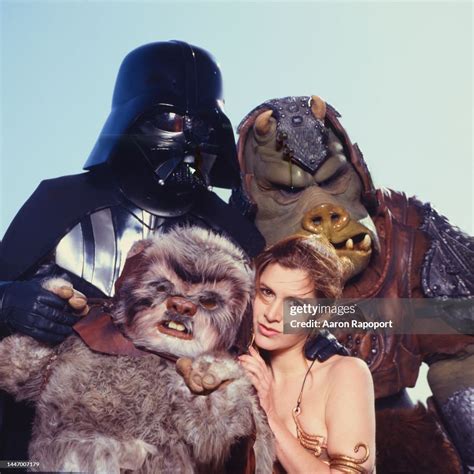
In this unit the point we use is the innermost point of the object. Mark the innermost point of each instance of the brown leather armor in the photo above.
(396, 273)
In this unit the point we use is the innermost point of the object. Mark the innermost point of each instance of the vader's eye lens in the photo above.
(170, 122)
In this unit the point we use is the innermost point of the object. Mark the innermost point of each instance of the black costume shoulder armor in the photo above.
(52, 210)
(448, 268)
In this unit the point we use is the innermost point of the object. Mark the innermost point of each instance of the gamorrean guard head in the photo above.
(302, 175)
(167, 135)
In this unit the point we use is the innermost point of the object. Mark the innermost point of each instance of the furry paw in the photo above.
(207, 373)
(64, 289)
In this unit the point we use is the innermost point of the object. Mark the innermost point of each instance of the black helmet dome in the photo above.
(180, 77)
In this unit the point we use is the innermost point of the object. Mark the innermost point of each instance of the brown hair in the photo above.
(320, 261)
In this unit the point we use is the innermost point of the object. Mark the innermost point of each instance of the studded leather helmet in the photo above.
(305, 138)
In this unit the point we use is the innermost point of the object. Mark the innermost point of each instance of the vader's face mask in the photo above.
(180, 149)
(167, 136)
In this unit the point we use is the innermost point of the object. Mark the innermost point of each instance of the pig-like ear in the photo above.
(262, 123)
(318, 107)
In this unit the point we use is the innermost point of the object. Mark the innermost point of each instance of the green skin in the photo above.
(285, 193)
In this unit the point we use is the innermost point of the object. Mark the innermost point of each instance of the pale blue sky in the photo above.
(400, 73)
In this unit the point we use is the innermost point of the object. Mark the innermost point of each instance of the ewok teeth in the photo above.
(176, 326)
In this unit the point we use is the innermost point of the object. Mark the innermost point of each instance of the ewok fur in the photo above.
(185, 294)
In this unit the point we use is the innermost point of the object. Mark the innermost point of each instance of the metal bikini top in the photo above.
(316, 444)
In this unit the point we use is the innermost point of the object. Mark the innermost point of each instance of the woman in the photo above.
(321, 413)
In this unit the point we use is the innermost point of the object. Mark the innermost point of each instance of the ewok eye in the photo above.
(208, 302)
(162, 286)
(141, 304)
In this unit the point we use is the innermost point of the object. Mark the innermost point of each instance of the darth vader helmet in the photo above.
(167, 131)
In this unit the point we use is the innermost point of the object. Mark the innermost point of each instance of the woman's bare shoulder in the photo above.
(349, 371)
(344, 365)
(349, 364)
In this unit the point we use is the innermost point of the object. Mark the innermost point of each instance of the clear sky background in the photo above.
(400, 73)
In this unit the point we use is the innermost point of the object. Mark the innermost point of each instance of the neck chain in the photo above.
(312, 442)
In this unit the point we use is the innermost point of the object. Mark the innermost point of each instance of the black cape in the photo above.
(57, 205)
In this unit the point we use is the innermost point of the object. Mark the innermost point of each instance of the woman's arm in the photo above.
(293, 457)
(350, 414)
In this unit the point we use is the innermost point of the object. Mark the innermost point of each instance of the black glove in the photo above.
(26, 307)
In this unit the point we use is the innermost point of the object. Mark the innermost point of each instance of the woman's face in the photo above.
(278, 283)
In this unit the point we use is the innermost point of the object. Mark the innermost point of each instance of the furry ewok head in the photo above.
(183, 294)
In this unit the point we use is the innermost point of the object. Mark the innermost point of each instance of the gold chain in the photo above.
(316, 443)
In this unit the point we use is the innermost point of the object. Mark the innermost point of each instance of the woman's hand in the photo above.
(261, 378)
(294, 458)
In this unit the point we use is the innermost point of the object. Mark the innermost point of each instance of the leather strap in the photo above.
(100, 334)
